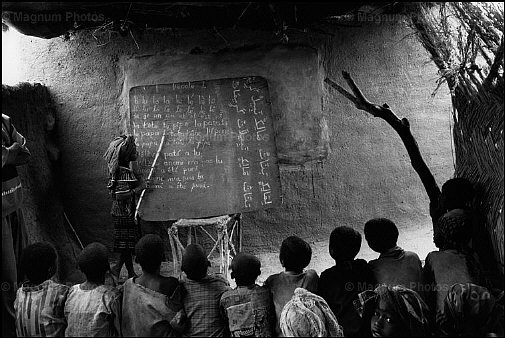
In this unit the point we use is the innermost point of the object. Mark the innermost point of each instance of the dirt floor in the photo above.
(418, 240)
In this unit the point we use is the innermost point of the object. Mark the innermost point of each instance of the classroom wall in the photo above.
(365, 171)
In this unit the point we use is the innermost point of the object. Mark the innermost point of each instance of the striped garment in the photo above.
(40, 310)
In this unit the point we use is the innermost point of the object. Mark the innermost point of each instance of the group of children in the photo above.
(393, 295)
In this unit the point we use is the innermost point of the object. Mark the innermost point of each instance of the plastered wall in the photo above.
(365, 171)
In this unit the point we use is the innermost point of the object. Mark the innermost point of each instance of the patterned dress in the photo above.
(40, 310)
(126, 232)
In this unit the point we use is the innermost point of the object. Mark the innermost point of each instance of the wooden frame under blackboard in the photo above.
(207, 146)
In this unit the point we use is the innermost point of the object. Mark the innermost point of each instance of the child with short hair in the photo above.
(93, 309)
(394, 266)
(152, 304)
(248, 308)
(295, 254)
(341, 284)
(202, 295)
(40, 301)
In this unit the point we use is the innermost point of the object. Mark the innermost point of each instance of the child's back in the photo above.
(394, 266)
(398, 267)
(147, 312)
(295, 255)
(151, 302)
(248, 308)
(201, 304)
(92, 308)
(93, 312)
(341, 284)
(40, 301)
(453, 263)
(202, 294)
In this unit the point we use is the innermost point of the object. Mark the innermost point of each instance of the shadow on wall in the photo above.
(33, 114)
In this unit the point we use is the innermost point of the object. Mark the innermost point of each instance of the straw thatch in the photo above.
(465, 41)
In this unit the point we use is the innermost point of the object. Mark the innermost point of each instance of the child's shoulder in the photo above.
(272, 278)
(58, 287)
(312, 274)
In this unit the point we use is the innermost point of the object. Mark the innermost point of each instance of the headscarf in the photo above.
(308, 315)
(407, 304)
(453, 230)
(120, 150)
(471, 310)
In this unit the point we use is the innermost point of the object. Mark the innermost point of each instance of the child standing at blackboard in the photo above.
(295, 255)
(122, 150)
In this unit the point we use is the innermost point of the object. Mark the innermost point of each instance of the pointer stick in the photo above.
(149, 176)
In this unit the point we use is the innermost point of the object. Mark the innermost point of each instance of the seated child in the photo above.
(93, 309)
(295, 255)
(40, 301)
(151, 302)
(457, 193)
(394, 311)
(341, 284)
(248, 308)
(308, 315)
(471, 311)
(394, 266)
(202, 294)
(452, 263)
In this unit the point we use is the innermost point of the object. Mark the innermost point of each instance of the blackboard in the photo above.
(218, 156)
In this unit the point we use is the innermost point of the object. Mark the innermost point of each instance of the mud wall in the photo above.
(32, 113)
(355, 166)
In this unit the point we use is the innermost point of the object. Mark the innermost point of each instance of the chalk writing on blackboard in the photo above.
(218, 155)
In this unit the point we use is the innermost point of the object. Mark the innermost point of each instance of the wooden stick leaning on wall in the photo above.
(401, 126)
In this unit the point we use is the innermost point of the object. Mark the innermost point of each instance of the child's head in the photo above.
(245, 268)
(381, 234)
(149, 253)
(453, 230)
(345, 243)
(396, 311)
(457, 193)
(295, 254)
(94, 262)
(39, 262)
(471, 311)
(194, 262)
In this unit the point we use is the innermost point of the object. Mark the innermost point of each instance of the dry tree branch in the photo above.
(401, 126)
